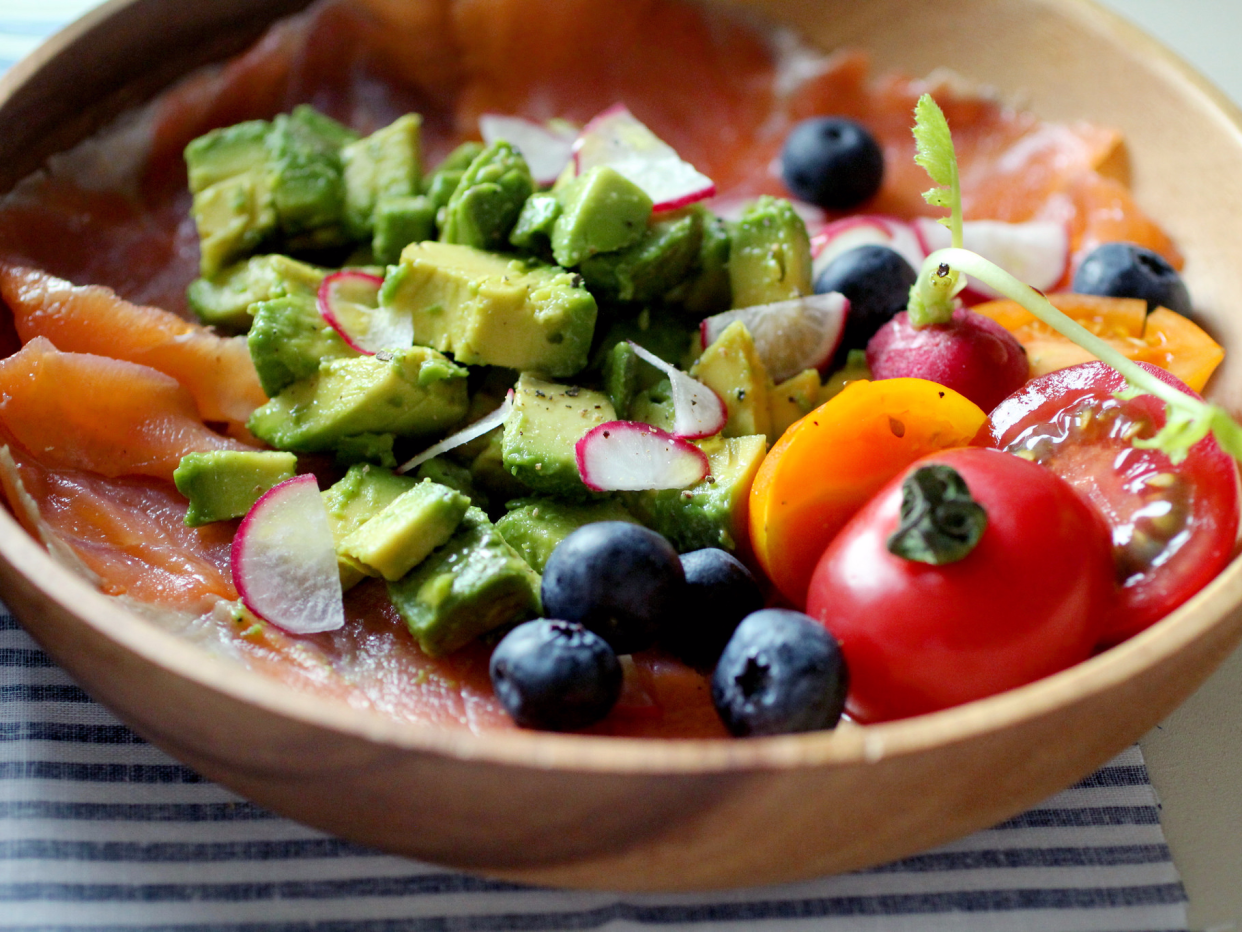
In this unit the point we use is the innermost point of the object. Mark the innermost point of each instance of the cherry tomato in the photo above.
(1173, 527)
(1026, 601)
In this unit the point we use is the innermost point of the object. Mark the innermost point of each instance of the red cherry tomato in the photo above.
(1173, 527)
(1027, 601)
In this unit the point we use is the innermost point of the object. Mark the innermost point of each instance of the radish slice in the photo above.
(633, 457)
(865, 230)
(616, 139)
(348, 302)
(801, 333)
(1036, 252)
(284, 560)
(483, 425)
(547, 149)
(697, 410)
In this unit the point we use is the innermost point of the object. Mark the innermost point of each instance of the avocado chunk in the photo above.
(446, 472)
(402, 535)
(224, 484)
(791, 400)
(650, 267)
(708, 289)
(489, 473)
(471, 585)
(664, 336)
(713, 512)
(225, 299)
(533, 231)
(234, 207)
(490, 309)
(441, 183)
(621, 377)
(289, 339)
(769, 254)
(366, 448)
(362, 493)
(654, 405)
(308, 177)
(601, 211)
(731, 367)
(539, 436)
(387, 164)
(408, 393)
(400, 221)
(487, 201)
(534, 526)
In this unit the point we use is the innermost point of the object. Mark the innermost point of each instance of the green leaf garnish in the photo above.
(933, 143)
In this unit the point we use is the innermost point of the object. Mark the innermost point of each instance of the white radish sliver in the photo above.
(617, 139)
(697, 410)
(789, 336)
(363, 325)
(631, 456)
(546, 150)
(483, 425)
(840, 236)
(284, 560)
(1035, 252)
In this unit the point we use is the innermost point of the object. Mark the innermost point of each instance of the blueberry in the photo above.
(781, 672)
(833, 162)
(555, 675)
(618, 579)
(877, 281)
(1124, 270)
(720, 592)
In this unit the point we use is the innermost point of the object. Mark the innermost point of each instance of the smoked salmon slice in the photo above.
(216, 370)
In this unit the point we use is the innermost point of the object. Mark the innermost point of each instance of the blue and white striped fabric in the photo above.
(100, 831)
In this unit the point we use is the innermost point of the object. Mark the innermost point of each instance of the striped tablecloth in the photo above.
(99, 830)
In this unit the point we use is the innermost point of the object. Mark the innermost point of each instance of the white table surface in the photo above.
(1195, 756)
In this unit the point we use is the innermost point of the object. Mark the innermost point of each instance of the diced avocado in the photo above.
(602, 211)
(288, 339)
(789, 401)
(225, 300)
(654, 405)
(650, 267)
(664, 336)
(621, 377)
(708, 289)
(362, 493)
(539, 437)
(712, 513)
(234, 208)
(770, 254)
(387, 164)
(488, 472)
(487, 201)
(366, 448)
(446, 472)
(471, 585)
(307, 177)
(400, 221)
(407, 392)
(533, 231)
(491, 309)
(731, 367)
(402, 535)
(534, 526)
(855, 368)
(441, 183)
(224, 484)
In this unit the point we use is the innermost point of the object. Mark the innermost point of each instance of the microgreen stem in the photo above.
(1188, 418)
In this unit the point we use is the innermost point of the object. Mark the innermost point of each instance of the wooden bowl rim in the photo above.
(847, 746)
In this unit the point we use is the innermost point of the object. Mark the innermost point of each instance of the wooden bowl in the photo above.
(647, 815)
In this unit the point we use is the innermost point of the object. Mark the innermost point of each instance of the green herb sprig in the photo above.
(943, 274)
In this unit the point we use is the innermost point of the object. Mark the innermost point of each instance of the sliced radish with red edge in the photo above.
(633, 457)
(547, 149)
(865, 230)
(483, 425)
(284, 560)
(801, 333)
(1036, 252)
(697, 410)
(348, 300)
(617, 139)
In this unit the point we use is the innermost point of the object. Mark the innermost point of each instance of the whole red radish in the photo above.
(971, 354)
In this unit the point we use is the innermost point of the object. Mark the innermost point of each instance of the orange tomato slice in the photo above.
(1163, 338)
(830, 463)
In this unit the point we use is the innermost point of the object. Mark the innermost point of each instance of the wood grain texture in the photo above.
(645, 815)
